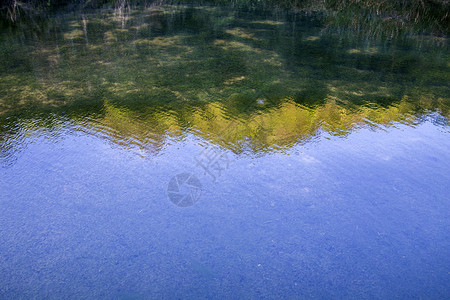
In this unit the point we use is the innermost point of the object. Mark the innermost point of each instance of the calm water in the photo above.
(191, 152)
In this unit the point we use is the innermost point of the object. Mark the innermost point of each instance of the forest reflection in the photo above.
(248, 80)
(275, 128)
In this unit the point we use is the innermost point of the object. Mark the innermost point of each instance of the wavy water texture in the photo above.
(250, 81)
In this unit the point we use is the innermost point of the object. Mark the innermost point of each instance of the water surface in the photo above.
(320, 156)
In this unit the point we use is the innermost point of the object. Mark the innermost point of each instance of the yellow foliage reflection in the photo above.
(279, 127)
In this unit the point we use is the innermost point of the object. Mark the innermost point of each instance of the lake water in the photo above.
(201, 151)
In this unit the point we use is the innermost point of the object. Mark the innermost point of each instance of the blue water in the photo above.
(365, 216)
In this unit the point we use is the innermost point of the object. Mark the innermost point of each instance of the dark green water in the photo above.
(317, 156)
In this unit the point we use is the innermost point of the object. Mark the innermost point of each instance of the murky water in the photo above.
(185, 152)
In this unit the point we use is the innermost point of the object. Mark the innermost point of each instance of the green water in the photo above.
(274, 77)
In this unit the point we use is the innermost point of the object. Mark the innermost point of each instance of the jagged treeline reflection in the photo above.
(273, 78)
(275, 128)
(270, 128)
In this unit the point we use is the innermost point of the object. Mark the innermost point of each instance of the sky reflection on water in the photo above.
(359, 216)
